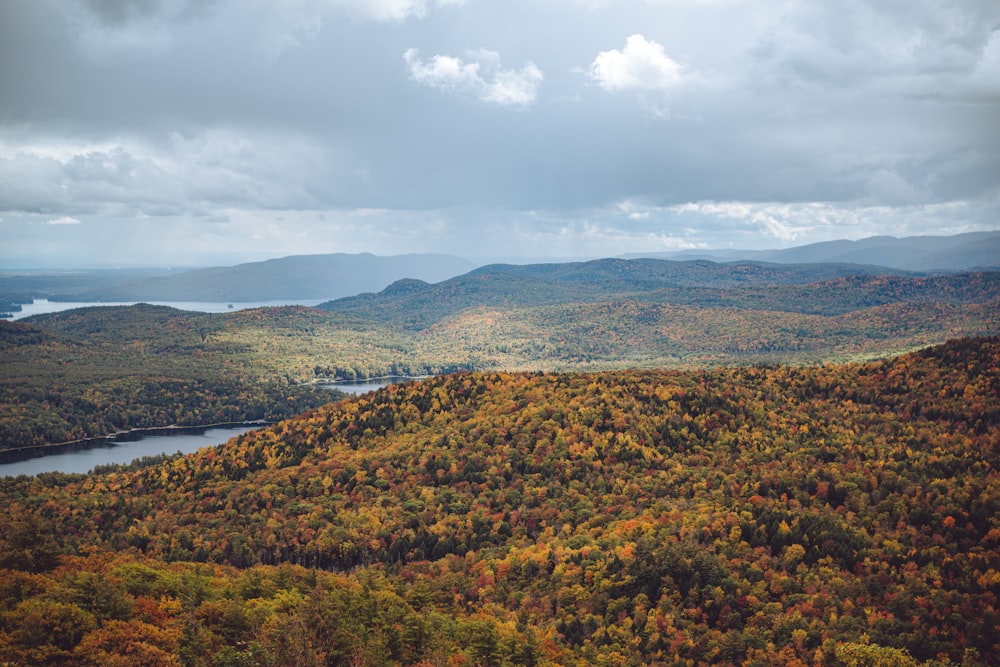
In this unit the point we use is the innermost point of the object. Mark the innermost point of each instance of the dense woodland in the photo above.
(755, 515)
(105, 370)
(94, 371)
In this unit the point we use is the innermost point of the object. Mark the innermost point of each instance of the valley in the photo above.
(93, 371)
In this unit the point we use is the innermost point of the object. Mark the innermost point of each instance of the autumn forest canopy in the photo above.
(746, 515)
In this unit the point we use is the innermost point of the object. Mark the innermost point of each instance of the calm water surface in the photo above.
(122, 451)
(42, 306)
(363, 387)
(129, 448)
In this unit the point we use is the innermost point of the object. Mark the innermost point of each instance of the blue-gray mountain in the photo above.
(975, 250)
(298, 277)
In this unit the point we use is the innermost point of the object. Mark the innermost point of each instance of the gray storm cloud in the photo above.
(558, 127)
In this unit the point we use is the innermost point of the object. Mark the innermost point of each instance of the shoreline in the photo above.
(371, 380)
(17, 454)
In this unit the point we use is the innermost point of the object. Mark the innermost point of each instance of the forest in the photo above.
(832, 514)
(94, 371)
(124, 368)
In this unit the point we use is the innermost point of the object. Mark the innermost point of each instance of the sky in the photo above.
(199, 132)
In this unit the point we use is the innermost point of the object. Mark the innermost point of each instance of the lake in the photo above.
(42, 306)
(128, 448)
(356, 387)
(124, 450)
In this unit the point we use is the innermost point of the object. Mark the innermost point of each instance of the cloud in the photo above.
(634, 210)
(123, 12)
(930, 49)
(514, 88)
(183, 173)
(799, 221)
(64, 220)
(788, 120)
(105, 28)
(443, 72)
(786, 222)
(481, 77)
(389, 10)
(642, 65)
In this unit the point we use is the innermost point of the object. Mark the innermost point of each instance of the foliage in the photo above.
(814, 289)
(97, 371)
(94, 371)
(756, 515)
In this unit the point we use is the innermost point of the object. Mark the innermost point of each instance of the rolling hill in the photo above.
(826, 515)
(94, 371)
(823, 289)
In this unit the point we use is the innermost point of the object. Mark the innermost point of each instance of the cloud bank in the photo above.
(176, 131)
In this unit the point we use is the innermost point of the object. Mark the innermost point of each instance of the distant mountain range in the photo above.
(913, 253)
(297, 277)
(339, 276)
(818, 289)
(111, 368)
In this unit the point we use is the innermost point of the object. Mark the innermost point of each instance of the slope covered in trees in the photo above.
(821, 289)
(737, 516)
(93, 371)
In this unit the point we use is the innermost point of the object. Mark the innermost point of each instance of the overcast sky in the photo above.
(187, 132)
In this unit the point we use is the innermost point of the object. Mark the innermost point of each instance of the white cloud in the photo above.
(782, 221)
(814, 221)
(634, 210)
(514, 88)
(64, 220)
(590, 233)
(481, 77)
(642, 65)
(443, 72)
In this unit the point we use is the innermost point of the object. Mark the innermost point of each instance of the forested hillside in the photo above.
(416, 304)
(738, 516)
(93, 371)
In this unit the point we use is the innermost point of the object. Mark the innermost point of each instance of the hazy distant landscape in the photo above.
(335, 276)
(962, 252)
(114, 368)
(288, 278)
